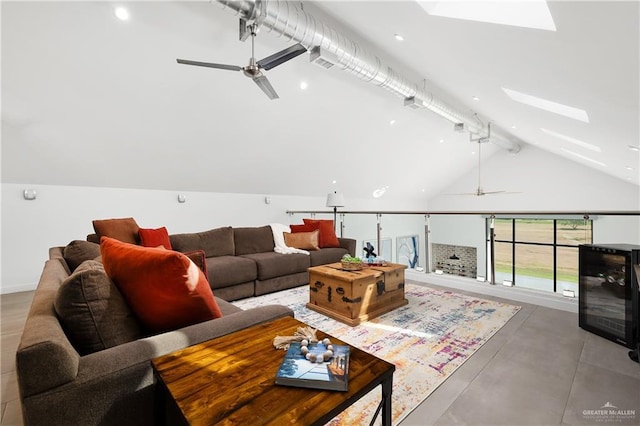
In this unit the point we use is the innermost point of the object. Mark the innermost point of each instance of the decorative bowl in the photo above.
(352, 266)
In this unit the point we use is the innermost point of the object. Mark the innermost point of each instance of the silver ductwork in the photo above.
(329, 48)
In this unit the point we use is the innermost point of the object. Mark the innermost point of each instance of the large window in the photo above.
(540, 254)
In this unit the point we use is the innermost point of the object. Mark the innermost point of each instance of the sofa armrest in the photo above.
(117, 385)
(349, 244)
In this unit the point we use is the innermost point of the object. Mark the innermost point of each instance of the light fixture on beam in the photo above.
(459, 127)
(323, 57)
(414, 103)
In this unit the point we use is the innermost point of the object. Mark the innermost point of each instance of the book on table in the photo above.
(297, 370)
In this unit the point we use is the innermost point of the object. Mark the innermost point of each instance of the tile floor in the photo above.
(539, 369)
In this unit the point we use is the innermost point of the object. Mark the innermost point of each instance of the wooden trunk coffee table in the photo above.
(230, 380)
(356, 296)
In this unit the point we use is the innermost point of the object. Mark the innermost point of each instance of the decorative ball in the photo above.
(330, 348)
(304, 342)
(304, 350)
(311, 357)
(320, 359)
(327, 355)
(326, 341)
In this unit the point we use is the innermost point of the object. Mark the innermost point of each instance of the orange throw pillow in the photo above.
(164, 288)
(327, 236)
(302, 240)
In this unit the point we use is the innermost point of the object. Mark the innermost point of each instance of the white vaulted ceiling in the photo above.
(90, 100)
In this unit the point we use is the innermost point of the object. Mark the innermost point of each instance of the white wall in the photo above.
(61, 214)
(541, 182)
(547, 183)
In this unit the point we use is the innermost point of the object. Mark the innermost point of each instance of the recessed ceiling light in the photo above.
(567, 111)
(398, 37)
(121, 13)
(334, 182)
(380, 191)
(629, 168)
(575, 154)
(392, 122)
(633, 148)
(529, 14)
(513, 126)
(572, 140)
(304, 85)
(475, 98)
(441, 140)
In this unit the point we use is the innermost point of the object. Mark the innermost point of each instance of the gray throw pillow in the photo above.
(93, 312)
(78, 251)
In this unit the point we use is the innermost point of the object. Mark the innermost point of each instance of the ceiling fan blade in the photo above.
(266, 87)
(210, 65)
(281, 57)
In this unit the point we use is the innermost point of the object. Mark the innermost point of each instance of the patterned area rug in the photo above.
(427, 340)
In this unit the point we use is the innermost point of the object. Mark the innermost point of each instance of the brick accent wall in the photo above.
(466, 266)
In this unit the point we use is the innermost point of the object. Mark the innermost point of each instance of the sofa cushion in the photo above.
(327, 232)
(123, 229)
(225, 271)
(92, 311)
(154, 237)
(253, 240)
(302, 240)
(272, 264)
(215, 242)
(78, 251)
(164, 288)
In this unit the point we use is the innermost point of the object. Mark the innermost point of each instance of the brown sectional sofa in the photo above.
(241, 262)
(60, 386)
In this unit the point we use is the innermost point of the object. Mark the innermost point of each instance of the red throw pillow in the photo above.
(304, 228)
(155, 237)
(327, 233)
(164, 288)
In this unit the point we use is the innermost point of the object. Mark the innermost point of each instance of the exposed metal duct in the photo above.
(330, 48)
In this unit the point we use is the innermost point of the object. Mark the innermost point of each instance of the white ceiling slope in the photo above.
(90, 100)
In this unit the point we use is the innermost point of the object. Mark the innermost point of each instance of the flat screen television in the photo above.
(608, 292)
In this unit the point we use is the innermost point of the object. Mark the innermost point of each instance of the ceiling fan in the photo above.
(254, 69)
(479, 191)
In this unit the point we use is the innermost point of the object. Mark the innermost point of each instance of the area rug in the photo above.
(427, 340)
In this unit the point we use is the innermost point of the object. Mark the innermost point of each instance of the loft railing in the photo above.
(357, 223)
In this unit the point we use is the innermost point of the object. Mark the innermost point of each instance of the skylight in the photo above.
(528, 14)
(572, 140)
(567, 111)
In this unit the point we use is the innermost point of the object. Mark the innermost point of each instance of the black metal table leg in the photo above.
(387, 386)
